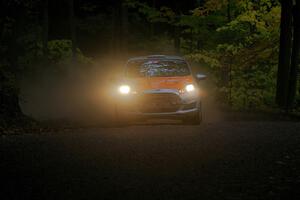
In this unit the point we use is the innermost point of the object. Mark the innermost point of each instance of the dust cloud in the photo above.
(83, 95)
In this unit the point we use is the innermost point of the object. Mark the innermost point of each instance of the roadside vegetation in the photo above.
(250, 47)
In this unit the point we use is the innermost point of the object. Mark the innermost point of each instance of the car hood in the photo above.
(152, 83)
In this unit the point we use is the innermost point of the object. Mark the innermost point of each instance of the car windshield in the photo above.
(157, 68)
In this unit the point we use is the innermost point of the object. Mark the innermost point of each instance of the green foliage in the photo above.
(59, 55)
(60, 52)
(162, 44)
(164, 14)
(242, 53)
(244, 60)
(209, 7)
(199, 33)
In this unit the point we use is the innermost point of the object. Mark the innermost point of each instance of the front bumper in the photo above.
(171, 105)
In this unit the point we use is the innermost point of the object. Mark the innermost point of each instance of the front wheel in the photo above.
(193, 119)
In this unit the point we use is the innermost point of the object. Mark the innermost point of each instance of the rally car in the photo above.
(158, 86)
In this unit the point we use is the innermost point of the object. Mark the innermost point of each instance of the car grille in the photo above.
(159, 103)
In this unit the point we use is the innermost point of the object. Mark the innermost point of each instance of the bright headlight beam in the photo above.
(124, 89)
(190, 88)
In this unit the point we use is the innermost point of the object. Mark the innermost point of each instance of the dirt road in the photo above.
(222, 160)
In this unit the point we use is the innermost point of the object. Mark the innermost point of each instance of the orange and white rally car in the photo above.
(159, 86)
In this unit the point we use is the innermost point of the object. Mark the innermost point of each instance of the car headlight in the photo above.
(124, 89)
(190, 88)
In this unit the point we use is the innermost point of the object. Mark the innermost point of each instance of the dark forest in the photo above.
(150, 99)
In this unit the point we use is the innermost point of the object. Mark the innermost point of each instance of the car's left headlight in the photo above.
(124, 89)
(190, 88)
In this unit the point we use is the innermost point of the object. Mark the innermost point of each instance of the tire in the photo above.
(194, 119)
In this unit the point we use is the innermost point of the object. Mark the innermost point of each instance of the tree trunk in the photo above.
(295, 55)
(113, 32)
(45, 29)
(228, 10)
(285, 52)
(125, 31)
(199, 44)
(116, 28)
(152, 24)
(73, 29)
(10, 111)
(177, 39)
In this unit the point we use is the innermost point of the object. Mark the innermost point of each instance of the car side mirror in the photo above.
(200, 77)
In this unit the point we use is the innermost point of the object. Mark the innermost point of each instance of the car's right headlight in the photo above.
(190, 88)
(124, 89)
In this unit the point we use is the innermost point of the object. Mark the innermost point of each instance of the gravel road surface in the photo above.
(217, 160)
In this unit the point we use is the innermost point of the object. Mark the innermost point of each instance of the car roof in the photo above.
(160, 57)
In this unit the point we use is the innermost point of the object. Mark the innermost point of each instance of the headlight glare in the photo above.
(190, 88)
(124, 89)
